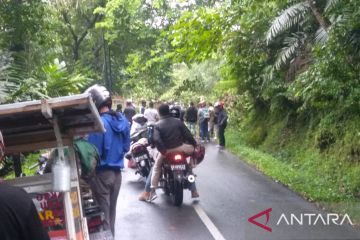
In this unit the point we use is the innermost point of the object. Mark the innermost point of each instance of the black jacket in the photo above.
(19, 219)
(170, 133)
(191, 115)
(222, 119)
(129, 112)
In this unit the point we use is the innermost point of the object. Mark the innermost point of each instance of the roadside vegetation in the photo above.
(288, 71)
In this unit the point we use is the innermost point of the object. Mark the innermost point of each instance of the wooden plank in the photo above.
(69, 101)
(29, 137)
(7, 129)
(27, 124)
(37, 183)
(31, 106)
(23, 119)
(19, 108)
(31, 184)
(34, 146)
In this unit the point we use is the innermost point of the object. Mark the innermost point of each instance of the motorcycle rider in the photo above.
(112, 146)
(170, 135)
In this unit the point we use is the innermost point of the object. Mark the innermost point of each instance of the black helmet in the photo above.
(175, 111)
(164, 110)
(100, 95)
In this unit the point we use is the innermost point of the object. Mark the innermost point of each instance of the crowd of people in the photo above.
(206, 121)
(210, 119)
(175, 129)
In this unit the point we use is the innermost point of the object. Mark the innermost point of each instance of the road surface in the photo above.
(231, 192)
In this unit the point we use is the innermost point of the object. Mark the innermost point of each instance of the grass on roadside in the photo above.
(323, 182)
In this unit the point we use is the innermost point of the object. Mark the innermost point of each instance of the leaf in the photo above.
(331, 4)
(292, 45)
(321, 36)
(287, 19)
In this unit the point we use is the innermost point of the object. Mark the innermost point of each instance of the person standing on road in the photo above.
(191, 118)
(211, 121)
(119, 108)
(129, 110)
(143, 106)
(221, 122)
(111, 146)
(203, 117)
(19, 219)
(151, 114)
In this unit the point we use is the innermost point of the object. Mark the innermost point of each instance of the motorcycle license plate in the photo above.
(142, 157)
(178, 167)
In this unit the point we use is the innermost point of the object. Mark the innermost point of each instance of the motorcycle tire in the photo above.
(178, 194)
(165, 187)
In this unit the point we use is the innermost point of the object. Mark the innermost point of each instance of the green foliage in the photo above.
(196, 35)
(287, 19)
(198, 79)
(53, 81)
(300, 169)
(257, 136)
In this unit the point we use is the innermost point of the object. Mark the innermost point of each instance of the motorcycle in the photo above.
(177, 173)
(139, 155)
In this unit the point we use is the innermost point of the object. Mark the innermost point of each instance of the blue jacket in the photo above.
(114, 143)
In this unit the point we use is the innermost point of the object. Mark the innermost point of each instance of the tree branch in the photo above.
(98, 48)
(68, 24)
(90, 25)
(319, 17)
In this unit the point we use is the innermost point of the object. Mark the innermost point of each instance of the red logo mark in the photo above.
(265, 212)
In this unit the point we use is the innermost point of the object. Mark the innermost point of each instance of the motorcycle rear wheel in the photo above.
(165, 187)
(177, 196)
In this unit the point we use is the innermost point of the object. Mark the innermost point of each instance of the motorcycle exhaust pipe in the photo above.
(191, 178)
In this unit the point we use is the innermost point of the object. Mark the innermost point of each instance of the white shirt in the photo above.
(152, 115)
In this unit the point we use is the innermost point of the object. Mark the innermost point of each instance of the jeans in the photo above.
(204, 131)
(105, 186)
(221, 133)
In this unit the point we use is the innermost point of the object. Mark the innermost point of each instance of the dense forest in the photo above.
(288, 71)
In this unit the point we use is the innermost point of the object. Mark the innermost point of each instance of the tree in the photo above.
(298, 25)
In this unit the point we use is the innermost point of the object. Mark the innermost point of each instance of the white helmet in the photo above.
(100, 95)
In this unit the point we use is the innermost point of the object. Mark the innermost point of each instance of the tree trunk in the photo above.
(76, 51)
(319, 17)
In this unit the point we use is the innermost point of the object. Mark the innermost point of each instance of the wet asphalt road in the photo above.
(230, 193)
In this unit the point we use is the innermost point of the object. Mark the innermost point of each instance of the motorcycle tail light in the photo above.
(178, 157)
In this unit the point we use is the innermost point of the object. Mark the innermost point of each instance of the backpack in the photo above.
(206, 113)
(89, 157)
